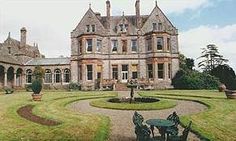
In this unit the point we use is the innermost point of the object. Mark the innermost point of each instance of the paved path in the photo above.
(122, 128)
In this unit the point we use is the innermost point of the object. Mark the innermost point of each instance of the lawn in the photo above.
(218, 123)
(74, 126)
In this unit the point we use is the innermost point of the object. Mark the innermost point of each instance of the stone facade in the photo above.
(105, 50)
(18, 60)
(121, 48)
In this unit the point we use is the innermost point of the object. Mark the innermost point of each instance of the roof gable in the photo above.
(157, 16)
(89, 18)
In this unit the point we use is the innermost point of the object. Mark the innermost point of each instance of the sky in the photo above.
(49, 22)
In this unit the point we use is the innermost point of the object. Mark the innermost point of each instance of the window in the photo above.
(114, 45)
(80, 47)
(29, 76)
(168, 44)
(99, 45)
(80, 72)
(88, 28)
(160, 71)
(124, 46)
(115, 72)
(125, 68)
(93, 28)
(134, 70)
(159, 26)
(154, 26)
(159, 43)
(48, 76)
(66, 75)
(149, 44)
(9, 50)
(134, 45)
(150, 70)
(169, 71)
(89, 45)
(121, 27)
(57, 77)
(89, 72)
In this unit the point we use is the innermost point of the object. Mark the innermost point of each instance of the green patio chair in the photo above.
(184, 135)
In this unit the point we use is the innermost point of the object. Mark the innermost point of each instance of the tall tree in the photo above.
(210, 58)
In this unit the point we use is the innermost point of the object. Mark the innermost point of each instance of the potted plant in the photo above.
(37, 83)
(36, 88)
(222, 87)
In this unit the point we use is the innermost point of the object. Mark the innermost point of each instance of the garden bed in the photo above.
(26, 112)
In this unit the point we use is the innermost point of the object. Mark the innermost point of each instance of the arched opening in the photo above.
(48, 76)
(66, 75)
(19, 74)
(29, 76)
(10, 76)
(57, 77)
(2, 75)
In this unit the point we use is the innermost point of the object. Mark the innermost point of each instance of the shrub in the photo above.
(74, 86)
(226, 76)
(37, 86)
(194, 80)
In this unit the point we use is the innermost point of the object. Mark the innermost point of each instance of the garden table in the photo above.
(161, 124)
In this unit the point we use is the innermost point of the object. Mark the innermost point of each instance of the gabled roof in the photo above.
(7, 58)
(48, 61)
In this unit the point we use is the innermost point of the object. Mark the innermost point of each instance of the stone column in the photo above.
(5, 79)
(52, 77)
(155, 71)
(14, 80)
(84, 73)
(62, 77)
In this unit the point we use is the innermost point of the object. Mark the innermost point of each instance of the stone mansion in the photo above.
(104, 49)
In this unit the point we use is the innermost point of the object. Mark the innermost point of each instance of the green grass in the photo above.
(74, 126)
(218, 123)
(162, 104)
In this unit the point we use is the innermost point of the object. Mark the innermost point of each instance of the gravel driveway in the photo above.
(122, 127)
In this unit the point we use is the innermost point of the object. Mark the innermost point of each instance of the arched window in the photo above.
(29, 76)
(48, 76)
(66, 75)
(57, 76)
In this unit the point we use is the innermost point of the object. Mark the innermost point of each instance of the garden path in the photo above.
(122, 128)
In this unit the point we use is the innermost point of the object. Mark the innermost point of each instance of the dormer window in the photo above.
(93, 28)
(88, 28)
(159, 26)
(121, 27)
(154, 26)
(9, 50)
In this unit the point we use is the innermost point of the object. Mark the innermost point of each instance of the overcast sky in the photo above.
(49, 22)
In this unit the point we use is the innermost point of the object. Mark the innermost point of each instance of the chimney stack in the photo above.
(108, 5)
(137, 9)
(23, 37)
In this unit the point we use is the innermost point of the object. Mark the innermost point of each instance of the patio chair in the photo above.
(142, 131)
(137, 119)
(184, 135)
(174, 129)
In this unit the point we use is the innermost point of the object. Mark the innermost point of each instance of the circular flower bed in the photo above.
(137, 103)
(136, 100)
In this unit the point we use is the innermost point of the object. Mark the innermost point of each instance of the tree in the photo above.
(226, 76)
(210, 58)
(186, 63)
